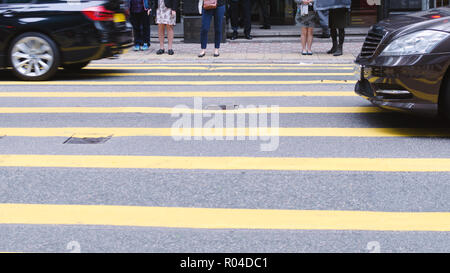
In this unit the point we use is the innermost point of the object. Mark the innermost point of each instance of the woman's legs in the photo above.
(334, 34)
(206, 22)
(340, 47)
(170, 36)
(218, 20)
(304, 39)
(161, 35)
(309, 40)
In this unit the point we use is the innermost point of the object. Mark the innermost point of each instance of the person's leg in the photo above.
(161, 35)
(333, 32)
(146, 29)
(310, 38)
(264, 12)
(218, 21)
(340, 47)
(304, 39)
(247, 11)
(266, 15)
(235, 15)
(136, 29)
(170, 36)
(235, 18)
(206, 22)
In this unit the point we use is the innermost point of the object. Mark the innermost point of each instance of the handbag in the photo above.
(209, 4)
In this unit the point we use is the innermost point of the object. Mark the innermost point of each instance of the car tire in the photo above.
(33, 56)
(75, 67)
(444, 99)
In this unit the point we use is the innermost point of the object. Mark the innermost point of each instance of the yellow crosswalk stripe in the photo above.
(215, 218)
(187, 83)
(221, 94)
(167, 110)
(261, 131)
(229, 163)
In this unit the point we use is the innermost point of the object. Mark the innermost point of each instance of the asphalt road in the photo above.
(340, 176)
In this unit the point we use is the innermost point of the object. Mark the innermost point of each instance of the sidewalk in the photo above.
(267, 50)
(275, 31)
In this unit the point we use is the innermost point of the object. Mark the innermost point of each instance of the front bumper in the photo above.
(409, 84)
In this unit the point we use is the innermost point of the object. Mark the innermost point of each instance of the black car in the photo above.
(405, 63)
(39, 36)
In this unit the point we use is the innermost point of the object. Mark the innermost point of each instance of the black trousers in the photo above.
(263, 6)
(141, 27)
(236, 6)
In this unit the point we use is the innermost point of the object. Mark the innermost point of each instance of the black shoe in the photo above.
(265, 27)
(248, 37)
(332, 50)
(216, 55)
(170, 52)
(202, 55)
(160, 51)
(234, 36)
(339, 51)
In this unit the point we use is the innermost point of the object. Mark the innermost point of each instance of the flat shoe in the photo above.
(171, 52)
(201, 55)
(160, 51)
(216, 55)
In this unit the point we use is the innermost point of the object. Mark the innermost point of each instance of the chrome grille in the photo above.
(372, 42)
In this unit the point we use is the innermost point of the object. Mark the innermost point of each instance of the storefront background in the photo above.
(282, 12)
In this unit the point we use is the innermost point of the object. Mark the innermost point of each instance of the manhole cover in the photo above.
(87, 140)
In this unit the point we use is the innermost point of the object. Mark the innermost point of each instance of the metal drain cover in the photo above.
(87, 140)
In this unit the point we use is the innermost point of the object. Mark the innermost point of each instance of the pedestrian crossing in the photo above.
(290, 84)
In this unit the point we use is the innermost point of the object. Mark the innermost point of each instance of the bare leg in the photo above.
(310, 39)
(170, 35)
(161, 34)
(304, 38)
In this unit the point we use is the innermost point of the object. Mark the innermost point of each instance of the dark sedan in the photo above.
(405, 63)
(38, 36)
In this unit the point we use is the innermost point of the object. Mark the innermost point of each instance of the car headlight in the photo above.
(420, 42)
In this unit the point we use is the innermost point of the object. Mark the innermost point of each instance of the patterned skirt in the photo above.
(164, 15)
(309, 20)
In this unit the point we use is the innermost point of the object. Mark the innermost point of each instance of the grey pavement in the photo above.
(263, 49)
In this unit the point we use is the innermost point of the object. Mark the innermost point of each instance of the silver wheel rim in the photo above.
(32, 56)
